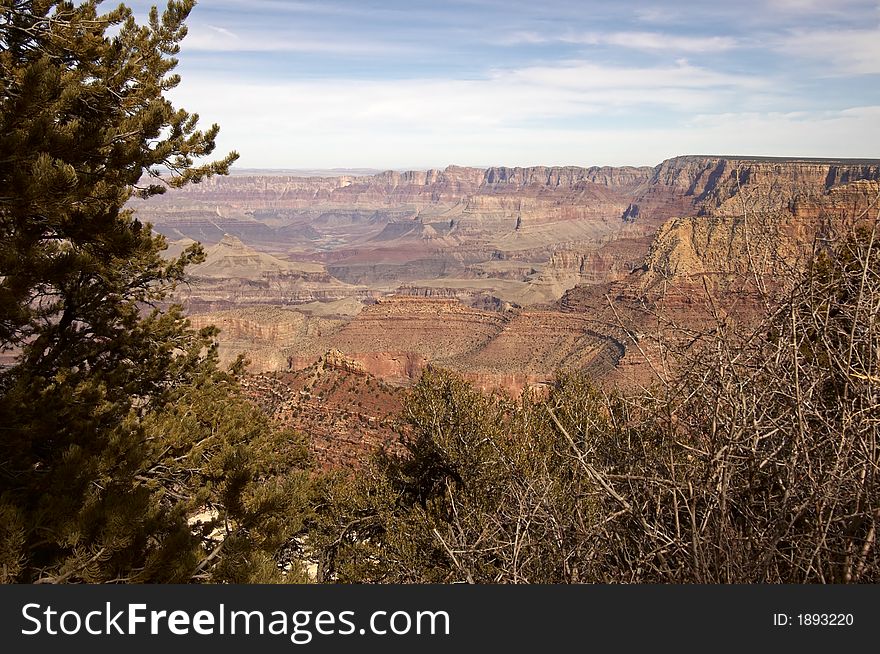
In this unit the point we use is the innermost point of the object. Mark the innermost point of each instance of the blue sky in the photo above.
(394, 84)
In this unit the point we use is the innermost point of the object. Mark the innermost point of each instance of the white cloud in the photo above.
(657, 15)
(221, 31)
(816, 6)
(849, 133)
(646, 41)
(589, 77)
(213, 38)
(501, 118)
(504, 98)
(539, 113)
(655, 41)
(523, 37)
(843, 52)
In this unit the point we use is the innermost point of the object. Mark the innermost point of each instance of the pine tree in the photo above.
(116, 424)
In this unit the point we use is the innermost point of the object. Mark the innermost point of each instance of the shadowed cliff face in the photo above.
(561, 266)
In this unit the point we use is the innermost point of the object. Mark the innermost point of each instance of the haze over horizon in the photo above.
(415, 85)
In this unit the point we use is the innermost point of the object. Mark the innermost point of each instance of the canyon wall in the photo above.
(510, 209)
(506, 274)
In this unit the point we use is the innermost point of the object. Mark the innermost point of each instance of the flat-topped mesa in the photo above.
(469, 179)
(421, 187)
(419, 305)
(716, 184)
(408, 299)
(566, 176)
(432, 328)
(395, 178)
(678, 172)
(691, 174)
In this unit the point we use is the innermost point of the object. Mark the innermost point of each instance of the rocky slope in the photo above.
(771, 235)
(726, 267)
(231, 258)
(347, 414)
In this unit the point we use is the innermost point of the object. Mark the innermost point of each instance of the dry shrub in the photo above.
(779, 482)
(753, 460)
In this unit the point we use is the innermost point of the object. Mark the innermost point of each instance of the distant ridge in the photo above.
(304, 172)
(373, 172)
(740, 157)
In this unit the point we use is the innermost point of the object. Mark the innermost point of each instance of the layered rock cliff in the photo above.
(734, 185)
(267, 335)
(701, 182)
(769, 231)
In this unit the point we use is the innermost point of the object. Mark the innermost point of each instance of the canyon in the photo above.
(505, 275)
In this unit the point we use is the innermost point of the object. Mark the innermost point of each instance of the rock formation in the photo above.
(504, 274)
(267, 335)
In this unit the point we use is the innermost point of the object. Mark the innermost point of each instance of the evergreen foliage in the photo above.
(116, 424)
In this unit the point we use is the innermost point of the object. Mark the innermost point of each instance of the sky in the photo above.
(394, 84)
